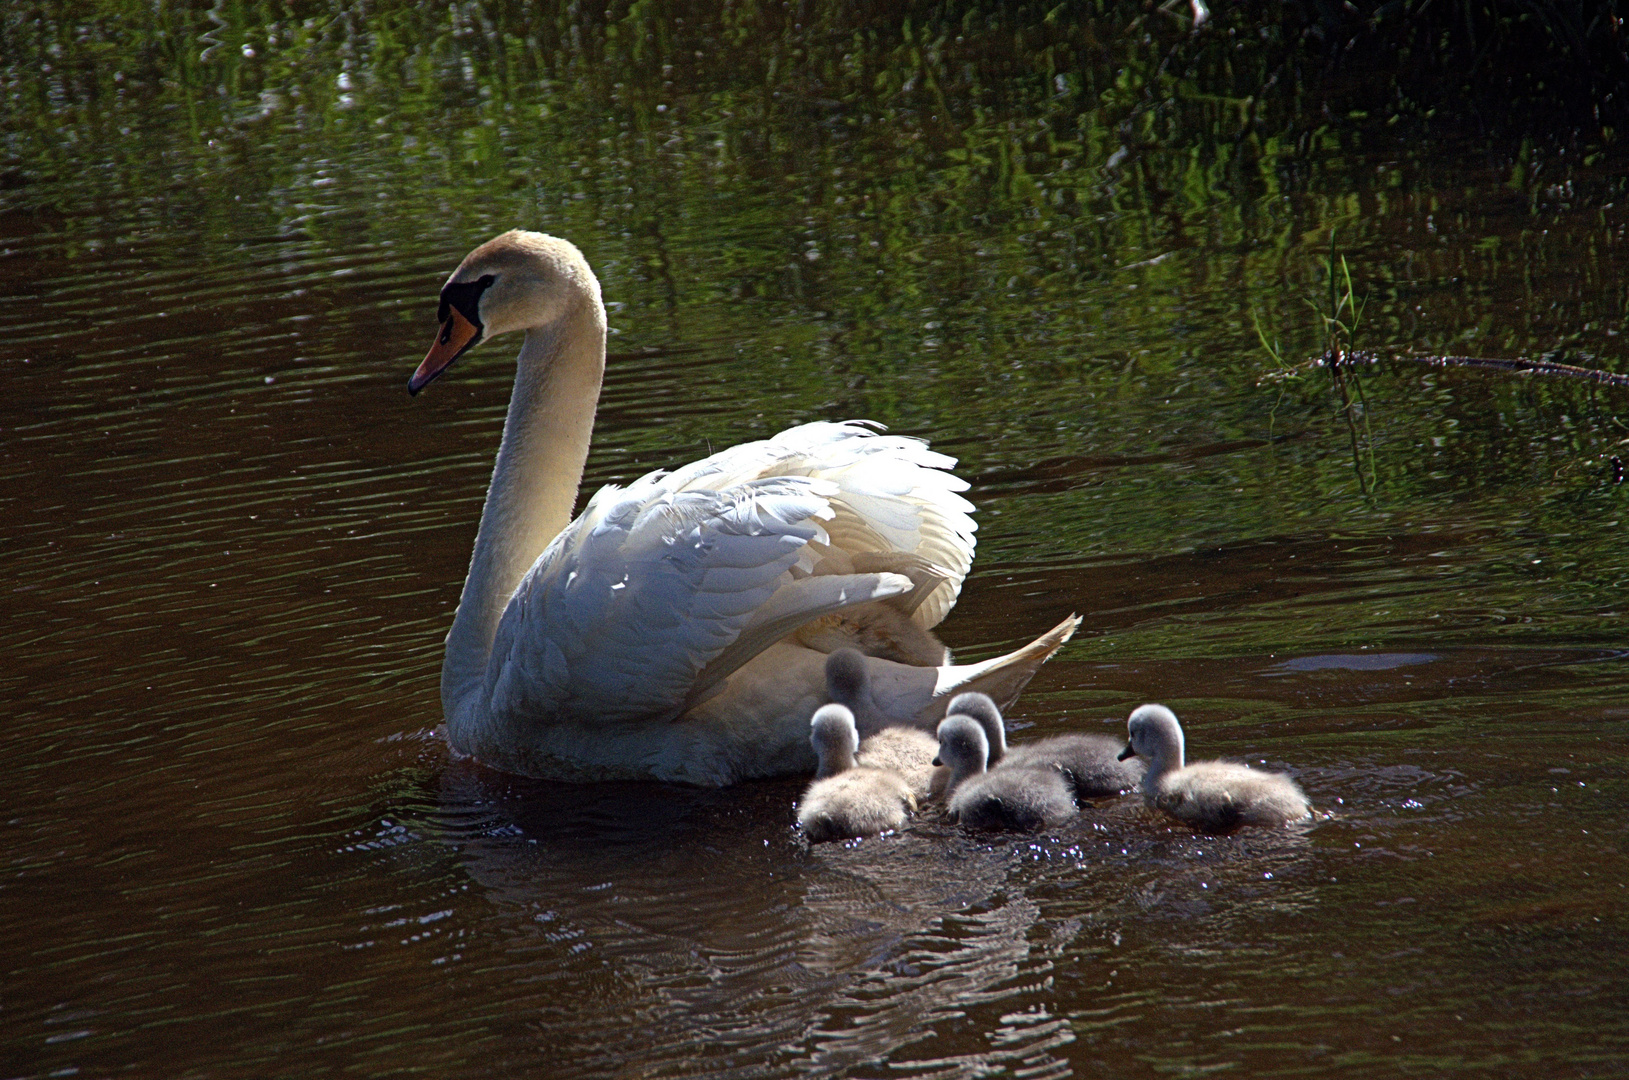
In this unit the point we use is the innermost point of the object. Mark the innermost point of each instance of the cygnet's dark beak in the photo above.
(1129, 751)
(936, 760)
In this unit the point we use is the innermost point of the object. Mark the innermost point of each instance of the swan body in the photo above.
(1210, 796)
(847, 798)
(1091, 763)
(677, 629)
(1012, 797)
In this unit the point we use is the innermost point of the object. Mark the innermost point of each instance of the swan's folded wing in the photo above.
(793, 604)
(893, 494)
(628, 606)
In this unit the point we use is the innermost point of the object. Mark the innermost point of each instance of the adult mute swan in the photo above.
(678, 628)
(1211, 796)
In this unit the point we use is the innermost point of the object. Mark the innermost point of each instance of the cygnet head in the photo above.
(982, 707)
(512, 282)
(845, 677)
(1155, 735)
(962, 747)
(835, 739)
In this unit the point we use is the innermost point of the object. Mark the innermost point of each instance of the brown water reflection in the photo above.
(235, 843)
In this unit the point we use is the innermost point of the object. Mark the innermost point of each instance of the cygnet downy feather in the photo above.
(905, 750)
(1021, 798)
(982, 707)
(1090, 763)
(1211, 796)
(847, 799)
(848, 685)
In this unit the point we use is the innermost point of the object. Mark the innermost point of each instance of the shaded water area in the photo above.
(236, 843)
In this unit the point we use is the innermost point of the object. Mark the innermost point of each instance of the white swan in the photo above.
(678, 628)
(848, 799)
(1211, 796)
(1018, 797)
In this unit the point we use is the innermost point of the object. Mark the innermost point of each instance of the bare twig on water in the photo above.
(1340, 320)
(1520, 366)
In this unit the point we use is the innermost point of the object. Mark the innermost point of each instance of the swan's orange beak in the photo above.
(457, 334)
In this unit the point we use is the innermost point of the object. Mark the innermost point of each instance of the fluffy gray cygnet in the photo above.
(982, 707)
(907, 752)
(848, 799)
(1021, 798)
(847, 684)
(1211, 796)
(1091, 763)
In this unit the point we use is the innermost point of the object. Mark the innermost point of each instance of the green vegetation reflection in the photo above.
(1045, 237)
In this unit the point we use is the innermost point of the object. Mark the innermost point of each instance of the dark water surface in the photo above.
(235, 842)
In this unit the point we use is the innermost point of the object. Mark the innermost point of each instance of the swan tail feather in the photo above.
(1003, 678)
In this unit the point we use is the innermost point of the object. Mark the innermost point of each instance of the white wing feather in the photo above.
(653, 583)
(895, 495)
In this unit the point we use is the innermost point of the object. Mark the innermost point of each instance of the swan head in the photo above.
(1155, 735)
(982, 707)
(835, 738)
(962, 747)
(515, 281)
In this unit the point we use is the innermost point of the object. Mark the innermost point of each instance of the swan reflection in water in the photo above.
(679, 910)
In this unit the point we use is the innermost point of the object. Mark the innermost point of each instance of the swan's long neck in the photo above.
(534, 487)
(835, 757)
(1169, 757)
